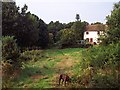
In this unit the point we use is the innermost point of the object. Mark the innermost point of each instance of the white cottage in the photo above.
(93, 32)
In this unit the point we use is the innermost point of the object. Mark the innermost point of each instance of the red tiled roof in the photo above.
(96, 27)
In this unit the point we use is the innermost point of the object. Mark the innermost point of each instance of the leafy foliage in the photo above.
(32, 55)
(54, 27)
(43, 39)
(10, 59)
(67, 37)
(9, 18)
(105, 61)
(113, 21)
(79, 28)
(71, 37)
(96, 23)
(10, 50)
(51, 40)
(68, 25)
(27, 28)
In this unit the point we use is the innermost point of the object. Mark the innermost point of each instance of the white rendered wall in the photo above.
(92, 34)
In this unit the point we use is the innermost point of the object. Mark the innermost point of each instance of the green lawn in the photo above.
(44, 67)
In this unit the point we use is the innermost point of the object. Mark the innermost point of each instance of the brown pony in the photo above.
(65, 78)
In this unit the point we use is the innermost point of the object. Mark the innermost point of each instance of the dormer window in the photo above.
(87, 32)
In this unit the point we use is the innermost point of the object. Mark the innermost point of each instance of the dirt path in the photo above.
(66, 62)
(63, 67)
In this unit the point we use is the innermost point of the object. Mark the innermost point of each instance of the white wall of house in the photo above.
(91, 34)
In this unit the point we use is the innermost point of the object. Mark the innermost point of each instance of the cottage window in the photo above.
(98, 32)
(91, 39)
(98, 40)
(87, 32)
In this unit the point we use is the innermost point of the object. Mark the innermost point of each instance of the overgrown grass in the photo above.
(43, 72)
(44, 65)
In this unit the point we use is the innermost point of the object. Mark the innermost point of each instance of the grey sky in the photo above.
(65, 10)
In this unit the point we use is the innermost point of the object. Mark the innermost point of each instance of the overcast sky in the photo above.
(65, 10)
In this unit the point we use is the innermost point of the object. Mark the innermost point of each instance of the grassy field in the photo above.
(44, 67)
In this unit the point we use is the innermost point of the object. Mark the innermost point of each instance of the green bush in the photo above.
(67, 38)
(105, 61)
(33, 55)
(10, 50)
(102, 56)
(10, 59)
(105, 81)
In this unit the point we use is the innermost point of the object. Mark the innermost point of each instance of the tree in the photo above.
(77, 17)
(67, 38)
(54, 27)
(51, 41)
(113, 22)
(68, 25)
(10, 60)
(96, 23)
(24, 25)
(9, 18)
(27, 28)
(79, 28)
(70, 37)
(43, 35)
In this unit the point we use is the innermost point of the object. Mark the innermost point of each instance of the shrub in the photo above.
(67, 38)
(102, 56)
(10, 50)
(105, 61)
(10, 59)
(33, 55)
(105, 81)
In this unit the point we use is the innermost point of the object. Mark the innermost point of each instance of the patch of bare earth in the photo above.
(63, 67)
(54, 80)
(66, 62)
(77, 52)
(38, 77)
